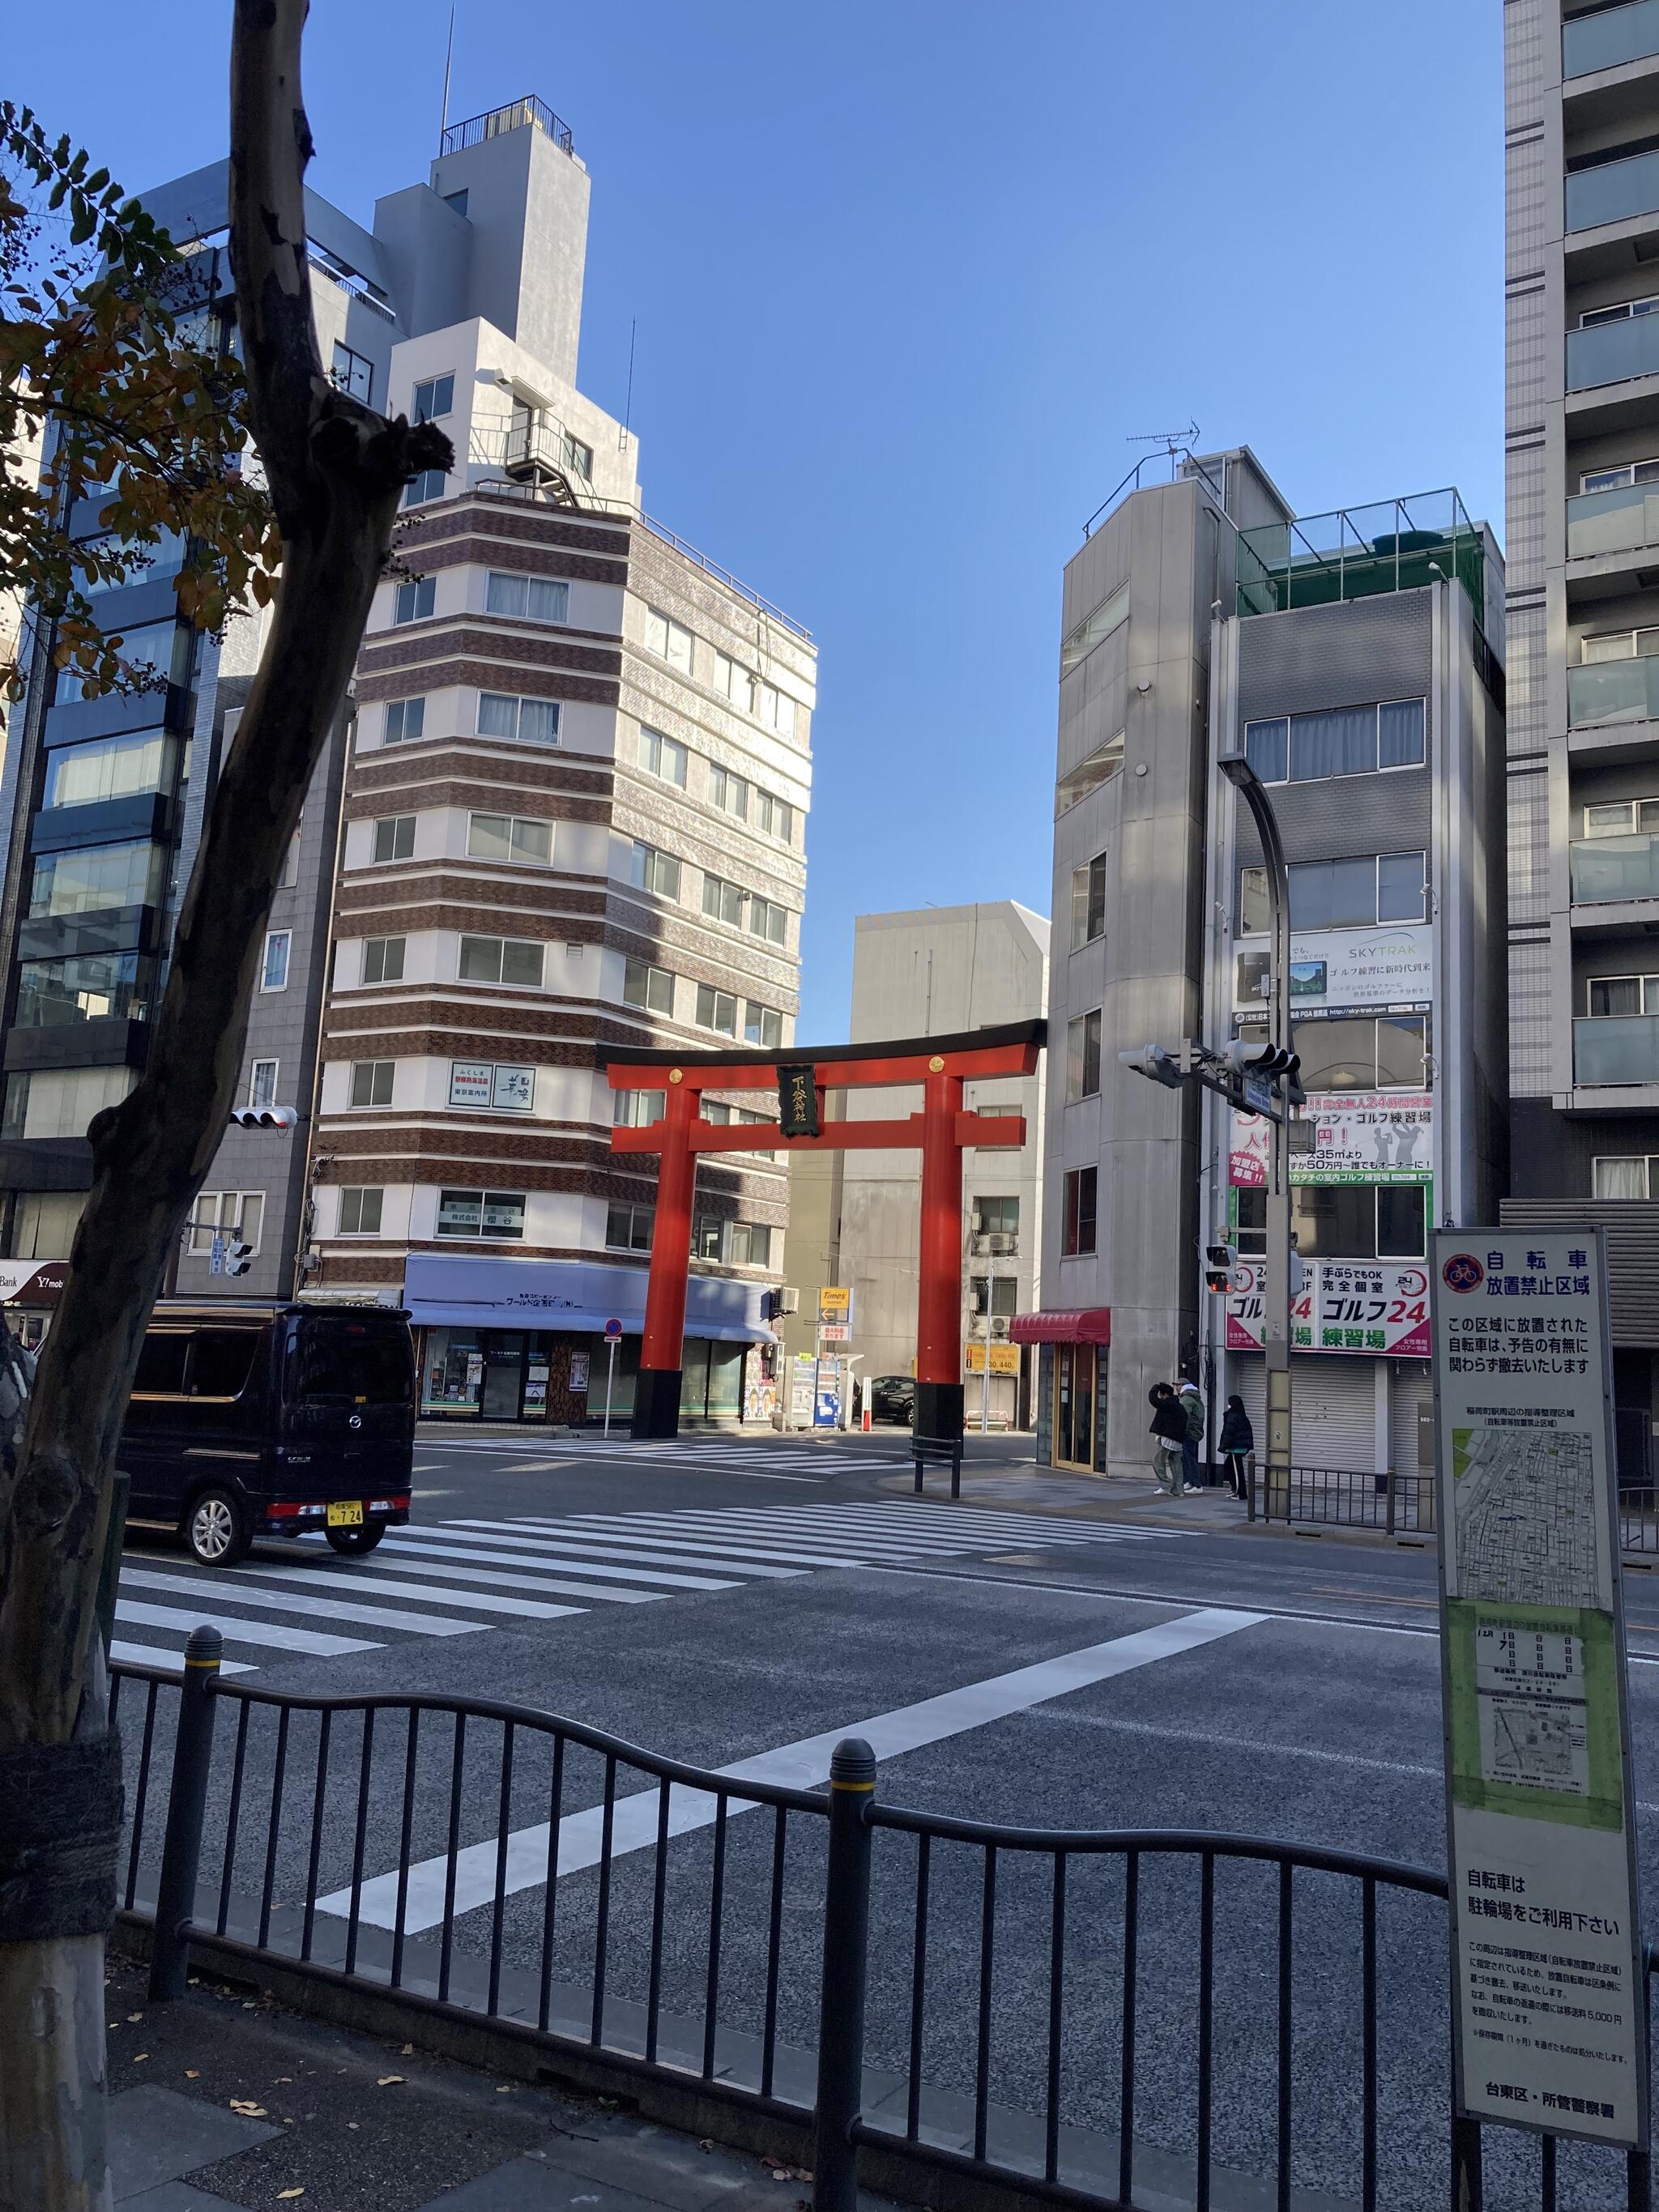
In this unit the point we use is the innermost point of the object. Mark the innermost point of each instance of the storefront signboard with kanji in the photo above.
(1551, 2011)
(1358, 1136)
(1379, 1308)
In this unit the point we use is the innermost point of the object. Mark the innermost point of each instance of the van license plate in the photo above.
(346, 1515)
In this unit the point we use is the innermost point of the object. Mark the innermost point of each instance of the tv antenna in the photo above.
(1172, 440)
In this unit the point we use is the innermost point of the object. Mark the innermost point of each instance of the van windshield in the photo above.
(351, 1362)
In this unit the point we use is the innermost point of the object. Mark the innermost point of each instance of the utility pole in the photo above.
(1276, 1282)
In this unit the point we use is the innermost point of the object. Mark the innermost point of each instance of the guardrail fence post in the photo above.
(1249, 1485)
(1388, 1489)
(181, 1849)
(1467, 2194)
(841, 2004)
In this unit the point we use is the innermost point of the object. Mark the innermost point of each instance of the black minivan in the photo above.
(250, 1421)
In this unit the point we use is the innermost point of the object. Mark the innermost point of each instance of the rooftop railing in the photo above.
(512, 117)
(1355, 553)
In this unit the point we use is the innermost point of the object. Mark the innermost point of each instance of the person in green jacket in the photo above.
(1192, 1405)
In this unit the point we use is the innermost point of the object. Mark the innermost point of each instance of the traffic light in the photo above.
(1218, 1268)
(239, 1258)
(264, 1117)
(1258, 1058)
(1158, 1061)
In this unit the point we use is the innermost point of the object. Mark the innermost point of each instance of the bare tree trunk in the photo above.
(335, 472)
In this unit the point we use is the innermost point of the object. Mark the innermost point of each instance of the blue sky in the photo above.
(909, 276)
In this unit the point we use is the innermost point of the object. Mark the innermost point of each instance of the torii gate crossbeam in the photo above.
(799, 1078)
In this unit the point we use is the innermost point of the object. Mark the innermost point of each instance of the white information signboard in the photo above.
(1551, 2020)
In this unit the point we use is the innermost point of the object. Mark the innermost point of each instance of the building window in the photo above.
(513, 960)
(236, 1216)
(155, 653)
(1359, 1221)
(262, 1084)
(769, 920)
(1000, 1293)
(430, 484)
(1359, 1052)
(627, 1227)
(352, 373)
(371, 1082)
(669, 640)
(1615, 644)
(664, 756)
(728, 792)
(579, 456)
(1340, 894)
(647, 987)
(528, 722)
(1080, 643)
(1078, 1222)
(1613, 996)
(405, 720)
(433, 396)
(416, 598)
(637, 1109)
(97, 878)
(528, 598)
(651, 869)
(1082, 1057)
(360, 1210)
(1623, 817)
(776, 817)
(731, 1243)
(1337, 741)
(732, 681)
(776, 709)
(114, 768)
(1102, 765)
(509, 837)
(716, 1010)
(1089, 902)
(1632, 472)
(723, 902)
(763, 1026)
(498, 1086)
(1621, 1176)
(394, 837)
(383, 959)
(480, 1214)
(87, 986)
(59, 1102)
(996, 1217)
(457, 200)
(273, 973)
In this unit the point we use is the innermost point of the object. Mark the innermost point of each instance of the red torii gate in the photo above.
(798, 1079)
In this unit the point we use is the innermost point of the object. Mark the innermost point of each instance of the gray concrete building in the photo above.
(1583, 432)
(1348, 656)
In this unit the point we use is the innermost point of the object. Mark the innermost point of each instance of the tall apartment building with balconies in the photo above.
(1583, 428)
(574, 818)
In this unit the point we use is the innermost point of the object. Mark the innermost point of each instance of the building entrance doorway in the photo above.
(1074, 1405)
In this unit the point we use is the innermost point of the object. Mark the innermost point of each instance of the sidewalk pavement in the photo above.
(224, 2099)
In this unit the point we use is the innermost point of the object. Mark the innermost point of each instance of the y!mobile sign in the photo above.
(1552, 2013)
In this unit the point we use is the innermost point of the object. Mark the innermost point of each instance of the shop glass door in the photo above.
(1074, 1406)
(503, 1375)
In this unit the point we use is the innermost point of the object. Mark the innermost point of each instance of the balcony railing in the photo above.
(543, 443)
(1616, 35)
(1611, 352)
(1605, 868)
(1616, 1049)
(512, 117)
(1616, 521)
(1398, 545)
(1608, 692)
(1612, 191)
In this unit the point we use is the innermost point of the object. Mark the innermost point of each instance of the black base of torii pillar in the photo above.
(656, 1402)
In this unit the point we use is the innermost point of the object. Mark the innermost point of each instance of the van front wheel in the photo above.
(356, 1540)
(216, 1530)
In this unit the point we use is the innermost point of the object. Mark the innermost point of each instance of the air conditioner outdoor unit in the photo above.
(997, 1244)
(786, 1301)
(999, 1328)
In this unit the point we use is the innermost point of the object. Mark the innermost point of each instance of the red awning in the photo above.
(1085, 1325)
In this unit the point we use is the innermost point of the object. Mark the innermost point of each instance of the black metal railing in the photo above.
(1115, 2018)
(512, 117)
(1343, 1498)
(941, 1454)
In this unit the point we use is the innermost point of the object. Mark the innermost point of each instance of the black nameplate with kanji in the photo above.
(798, 1100)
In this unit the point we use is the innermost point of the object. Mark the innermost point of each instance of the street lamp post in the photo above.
(1276, 1284)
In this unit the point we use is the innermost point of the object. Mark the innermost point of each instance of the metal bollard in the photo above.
(841, 2005)
(181, 1849)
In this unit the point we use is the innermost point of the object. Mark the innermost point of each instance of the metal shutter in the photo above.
(1410, 1387)
(1333, 1409)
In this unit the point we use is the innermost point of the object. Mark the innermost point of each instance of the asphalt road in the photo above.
(730, 1600)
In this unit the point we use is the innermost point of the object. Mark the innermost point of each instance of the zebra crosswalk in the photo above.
(730, 1455)
(465, 1575)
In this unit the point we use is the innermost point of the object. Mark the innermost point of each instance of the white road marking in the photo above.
(170, 1662)
(338, 1607)
(526, 1554)
(341, 1579)
(800, 1765)
(647, 1548)
(440, 1568)
(233, 1631)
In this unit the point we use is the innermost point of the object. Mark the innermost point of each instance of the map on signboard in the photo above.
(1533, 1720)
(1526, 1515)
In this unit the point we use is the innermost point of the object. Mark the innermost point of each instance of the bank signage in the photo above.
(1345, 968)
(1377, 1308)
(1551, 2007)
(1358, 1136)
